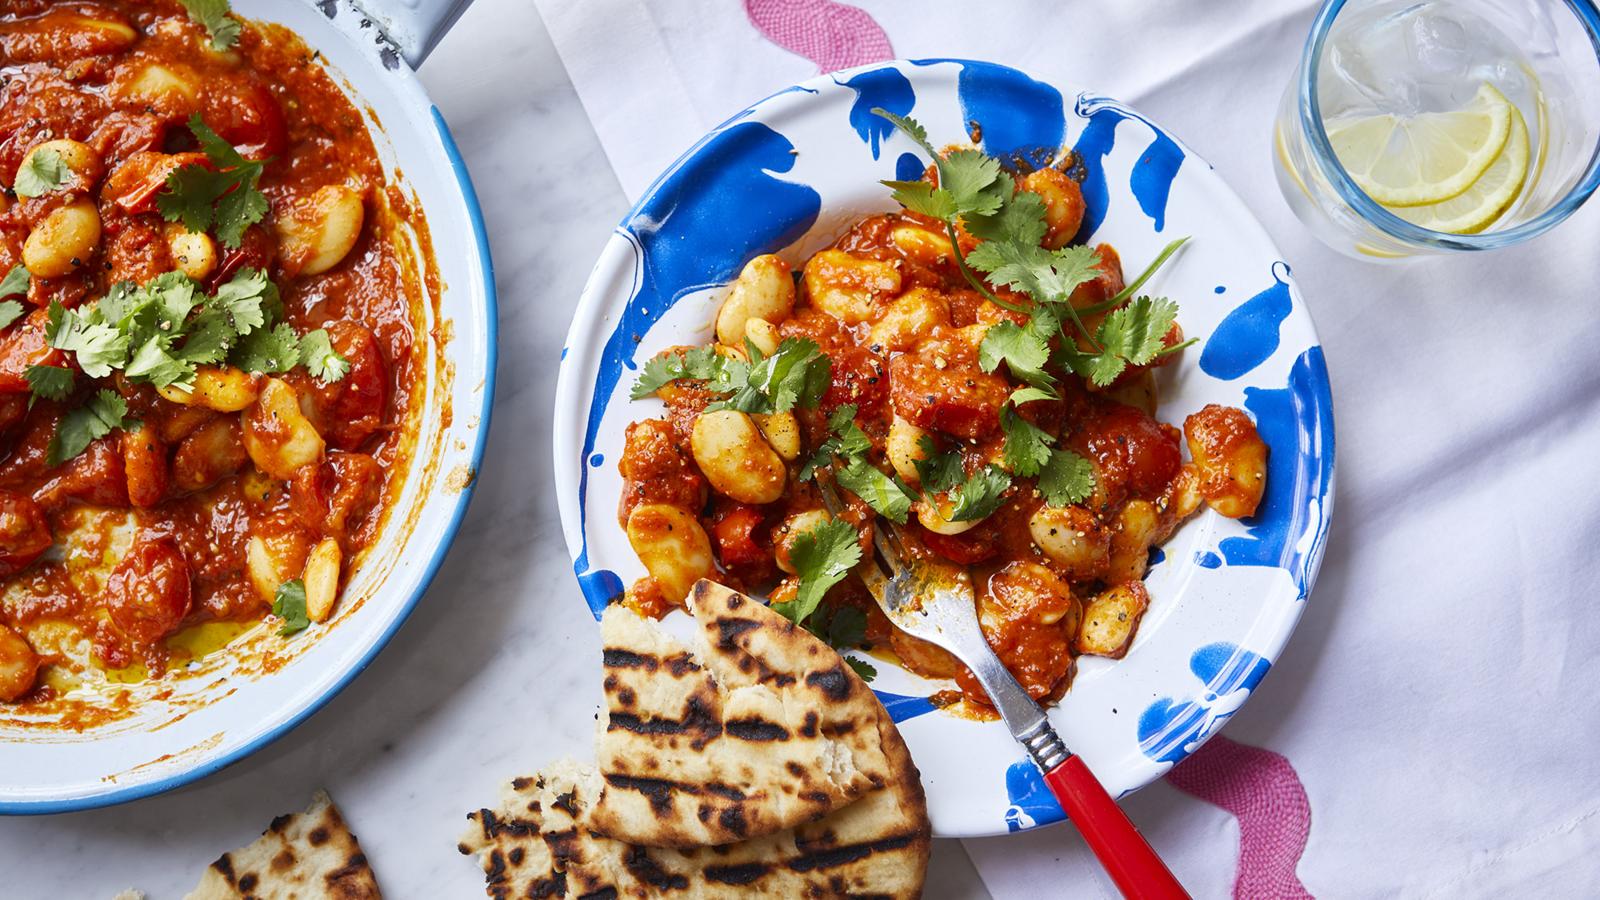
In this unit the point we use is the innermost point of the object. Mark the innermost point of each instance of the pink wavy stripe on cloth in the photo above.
(1263, 792)
(832, 35)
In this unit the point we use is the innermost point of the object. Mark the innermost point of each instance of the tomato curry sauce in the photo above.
(211, 495)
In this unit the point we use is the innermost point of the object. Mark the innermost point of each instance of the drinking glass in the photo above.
(1405, 57)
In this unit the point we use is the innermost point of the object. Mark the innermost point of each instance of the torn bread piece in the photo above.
(305, 856)
(760, 729)
(535, 845)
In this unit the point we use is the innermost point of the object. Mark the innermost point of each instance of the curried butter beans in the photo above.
(673, 547)
(735, 458)
(63, 242)
(763, 290)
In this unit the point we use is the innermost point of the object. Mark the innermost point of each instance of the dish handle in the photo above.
(415, 26)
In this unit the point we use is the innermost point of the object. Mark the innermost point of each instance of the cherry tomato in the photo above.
(859, 377)
(148, 593)
(734, 529)
(248, 117)
(134, 185)
(22, 346)
(24, 532)
(350, 410)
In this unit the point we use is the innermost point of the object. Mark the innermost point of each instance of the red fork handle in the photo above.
(1127, 857)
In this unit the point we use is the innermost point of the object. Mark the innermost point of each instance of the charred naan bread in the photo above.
(761, 729)
(306, 856)
(535, 845)
(763, 724)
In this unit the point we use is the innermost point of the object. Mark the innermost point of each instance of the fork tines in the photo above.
(890, 560)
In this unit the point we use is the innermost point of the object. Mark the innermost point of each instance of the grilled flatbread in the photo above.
(535, 845)
(306, 856)
(762, 729)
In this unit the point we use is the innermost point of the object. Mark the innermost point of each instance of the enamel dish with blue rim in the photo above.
(787, 176)
(223, 706)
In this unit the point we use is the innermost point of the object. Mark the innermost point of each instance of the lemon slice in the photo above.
(1426, 158)
(1474, 209)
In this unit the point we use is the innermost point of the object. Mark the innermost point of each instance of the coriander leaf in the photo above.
(938, 472)
(320, 359)
(191, 194)
(223, 196)
(861, 667)
(922, 197)
(153, 364)
(99, 347)
(42, 173)
(1029, 394)
(210, 337)
(822, 556)
(1023, 350)
(10, 311)
(1136, 332)
(213, 15)
(1020, 220)
(289, 604)
(171, 297)
(1102, 368)
(974, 181)
(852, 440)
(980, 495)
(267, 350)
(847, 440)
(1027, 446)
(846, 628)
(15, 282)
(1048, 276)
(876, 489)
(969, 180)
(237, 210)
(909, 126)
(796, 374)
(1012, 265)
(1066, 479)
(105, 412)
(249, 298)
(49, 382)
(695, 364)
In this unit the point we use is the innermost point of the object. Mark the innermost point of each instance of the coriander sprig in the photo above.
(976, 191)
(224, 196)
(213, 15)
(823, 555)
(13, 285)
(160, 334)
(105, 412)
(42, 173)
(797, 374)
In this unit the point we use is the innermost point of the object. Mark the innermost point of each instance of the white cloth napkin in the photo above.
(1438, 697)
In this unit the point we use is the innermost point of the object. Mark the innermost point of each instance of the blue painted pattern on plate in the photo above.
(883, 89)
(1290, 526)
(1249, 335)
(1170, 729)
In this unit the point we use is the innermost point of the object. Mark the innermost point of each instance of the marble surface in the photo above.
(497, 670)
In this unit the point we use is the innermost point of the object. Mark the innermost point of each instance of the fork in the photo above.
(941, 609)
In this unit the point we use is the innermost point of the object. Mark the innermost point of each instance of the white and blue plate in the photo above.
(788, 176)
